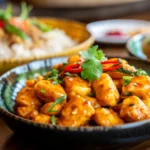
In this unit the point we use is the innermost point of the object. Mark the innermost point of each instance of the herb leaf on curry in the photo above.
(57, 101)
(92, 68)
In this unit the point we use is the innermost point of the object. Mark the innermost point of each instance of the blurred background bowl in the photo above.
(135, 46)
(76, 30)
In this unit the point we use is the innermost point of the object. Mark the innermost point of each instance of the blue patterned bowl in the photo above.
(12, 81)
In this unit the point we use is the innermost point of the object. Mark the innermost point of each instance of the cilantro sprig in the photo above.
(92, 68)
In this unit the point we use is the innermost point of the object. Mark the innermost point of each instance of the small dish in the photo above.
(12, 81)
(123, 27)
(134, 46)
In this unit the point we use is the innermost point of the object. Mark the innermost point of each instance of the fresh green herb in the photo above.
(53, 120)
(7, 13)
(57, 101)
(127, 94)
(92, 68)
(54, 76)
(140, 72)
(12, 29)
(131, 104)
(69, 74)
(127, 80)
(41, 26)
(25, 10)
(43, 91)
(64, 64)
(125, 71)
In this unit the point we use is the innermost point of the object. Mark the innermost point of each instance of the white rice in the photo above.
(55, 41)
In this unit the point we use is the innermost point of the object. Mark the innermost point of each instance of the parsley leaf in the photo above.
(127, 80)
(92, 68)
(53, 120)
(57, 101)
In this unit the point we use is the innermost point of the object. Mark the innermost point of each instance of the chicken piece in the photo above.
(47, 91)
(27, 97)
(41, 118)
(76, 112)
(147, 102)
(117, 108)
(76, 86)
(118, 83)
(133, 109)
(75, 58)
(138, 86)
(93, 101)
(55, 110)
(107, 117)
(24, 111)
(32, 114)
(30, 83)
(106, 91)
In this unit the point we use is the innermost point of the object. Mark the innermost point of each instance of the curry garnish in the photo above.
(57, 101)
(92, 68)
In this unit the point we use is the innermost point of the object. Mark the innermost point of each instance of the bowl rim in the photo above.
(71, 129)
(130, 40)
(89, 41)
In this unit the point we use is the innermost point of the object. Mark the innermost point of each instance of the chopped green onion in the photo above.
(57, 101)
(69, 74)
(131, 104)
(25, 10)
(12, 29)
(41, 25)
(43, 91)
(127, 80)
(127, 94)
(53, 120)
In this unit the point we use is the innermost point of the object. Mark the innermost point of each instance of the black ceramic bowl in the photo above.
(12, 81)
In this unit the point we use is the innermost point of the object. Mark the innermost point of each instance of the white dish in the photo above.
(99, 29)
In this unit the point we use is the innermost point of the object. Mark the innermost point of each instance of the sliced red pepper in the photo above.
(2, 24)
(113, 60)
(73, 68)
(112, 67)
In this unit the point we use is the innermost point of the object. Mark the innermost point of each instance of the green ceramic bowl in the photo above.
(12, 82)
(134, 46)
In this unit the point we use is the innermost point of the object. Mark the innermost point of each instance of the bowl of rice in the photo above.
(25, 39)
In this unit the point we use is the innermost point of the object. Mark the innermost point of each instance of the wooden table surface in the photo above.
(10, 141)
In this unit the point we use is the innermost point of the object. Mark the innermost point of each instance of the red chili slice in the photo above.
(112, 67)
(2, 24)
(73, 68)
(113, 60)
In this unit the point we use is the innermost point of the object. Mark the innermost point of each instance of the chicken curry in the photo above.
(88, 90)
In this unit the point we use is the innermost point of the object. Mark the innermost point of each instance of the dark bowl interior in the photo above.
(12, 81)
